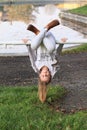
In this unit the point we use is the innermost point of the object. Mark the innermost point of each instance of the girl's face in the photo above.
(45, 74)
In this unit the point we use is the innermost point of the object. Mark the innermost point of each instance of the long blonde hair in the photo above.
(42, 90)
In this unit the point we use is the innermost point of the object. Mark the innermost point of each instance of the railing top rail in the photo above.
(79, 41)
(40, 2)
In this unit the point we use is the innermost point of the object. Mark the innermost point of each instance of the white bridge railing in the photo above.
(79, 41)
(18, 48)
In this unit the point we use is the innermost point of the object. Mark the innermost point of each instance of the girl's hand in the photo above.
(64, 39)
(25, 40)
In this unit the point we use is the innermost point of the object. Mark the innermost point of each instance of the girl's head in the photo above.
(45, 75)
(44, 80)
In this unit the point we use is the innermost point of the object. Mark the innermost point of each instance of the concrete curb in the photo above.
(76, 22)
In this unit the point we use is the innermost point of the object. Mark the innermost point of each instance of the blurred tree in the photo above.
(21, 13)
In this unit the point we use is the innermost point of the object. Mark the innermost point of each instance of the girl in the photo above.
(43, 52)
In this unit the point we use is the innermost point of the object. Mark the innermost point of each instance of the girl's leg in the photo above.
(40, 35)
(48, 26)
(38, 39)
(49, 42)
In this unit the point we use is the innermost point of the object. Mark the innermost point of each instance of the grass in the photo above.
(78, 49)
(20, 109)
(80, 10)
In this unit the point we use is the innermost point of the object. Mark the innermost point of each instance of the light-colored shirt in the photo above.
(43, 51)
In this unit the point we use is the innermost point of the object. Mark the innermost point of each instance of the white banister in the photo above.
(79, 41)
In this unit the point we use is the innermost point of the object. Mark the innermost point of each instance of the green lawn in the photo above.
(77, 49)
(20, 109)
(81, 10)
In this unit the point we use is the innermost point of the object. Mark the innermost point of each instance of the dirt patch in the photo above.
(17, 71)
(73, 76)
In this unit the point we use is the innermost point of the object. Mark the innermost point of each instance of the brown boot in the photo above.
(52, 24)
(33, 29)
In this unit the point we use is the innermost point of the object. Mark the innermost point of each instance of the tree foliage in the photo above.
(21, 13)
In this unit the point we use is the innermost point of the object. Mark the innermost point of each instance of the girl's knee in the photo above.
(49, 44)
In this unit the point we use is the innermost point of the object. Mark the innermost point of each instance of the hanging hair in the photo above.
(42, 89)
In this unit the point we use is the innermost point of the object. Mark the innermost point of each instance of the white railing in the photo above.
(18, 48)
(79, 41)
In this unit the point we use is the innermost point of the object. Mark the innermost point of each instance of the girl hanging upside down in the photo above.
(43, 55)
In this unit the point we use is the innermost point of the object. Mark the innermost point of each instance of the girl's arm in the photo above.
(64, 39)
(60, 47)
(32, 55)
(32, 58)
